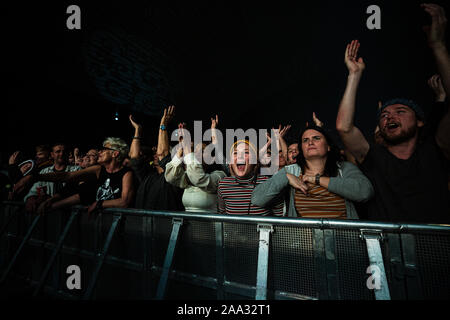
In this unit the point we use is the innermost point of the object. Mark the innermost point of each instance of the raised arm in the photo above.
(71, 176)
(436, 41)
(263, 156)
(197, 175)
(282, 142)
(351, 136)
(135, 148)
(163, 137)
(175, 173)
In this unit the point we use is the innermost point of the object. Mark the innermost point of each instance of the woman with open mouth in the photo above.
(234, 192)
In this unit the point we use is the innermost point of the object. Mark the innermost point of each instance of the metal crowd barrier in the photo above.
(141, 254)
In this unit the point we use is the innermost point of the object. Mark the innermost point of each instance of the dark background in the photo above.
(254, 64)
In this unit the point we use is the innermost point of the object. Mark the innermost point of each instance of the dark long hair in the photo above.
(333, 156)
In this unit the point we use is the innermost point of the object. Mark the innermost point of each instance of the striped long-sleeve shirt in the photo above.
(234, 197)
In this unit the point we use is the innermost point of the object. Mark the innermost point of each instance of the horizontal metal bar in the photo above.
(230, 287)
(303, 222)
(281, 295)
(110, 260)
(47, 289)
(194, 279)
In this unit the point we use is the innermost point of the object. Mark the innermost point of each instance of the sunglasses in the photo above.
(106, 148)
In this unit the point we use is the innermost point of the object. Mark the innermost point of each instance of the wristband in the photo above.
(317, 180)
(162, 127)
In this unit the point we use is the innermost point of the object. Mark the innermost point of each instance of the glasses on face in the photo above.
(107, 148)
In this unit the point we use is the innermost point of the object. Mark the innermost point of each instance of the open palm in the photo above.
(353, 63)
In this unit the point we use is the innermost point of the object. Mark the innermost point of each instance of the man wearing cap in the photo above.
(409, 170)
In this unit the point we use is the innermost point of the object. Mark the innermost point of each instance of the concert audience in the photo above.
(400, 171)
(106, 185)
(41, 190)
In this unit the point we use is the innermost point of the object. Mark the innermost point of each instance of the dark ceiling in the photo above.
(255, 65)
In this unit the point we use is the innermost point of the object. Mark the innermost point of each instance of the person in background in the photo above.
(41, 190)
(110, 184)
(154, 192)
(199, 180)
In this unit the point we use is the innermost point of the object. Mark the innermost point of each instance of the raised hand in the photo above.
(135, 125)
(282, 131)
(354, 64)
(184, 143)
(436, 32)
(168, 115)
(13, 158)
(214, 122)
(316, 120)
(180, 132)
(435, 84)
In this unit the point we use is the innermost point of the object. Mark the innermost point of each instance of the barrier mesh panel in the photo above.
(196, 249)
(291, 267)
(292, 262)
(240, 253)
(162, 228)
(433, 260)
(352, 262)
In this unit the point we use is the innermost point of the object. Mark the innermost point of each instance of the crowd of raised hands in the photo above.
(165, 174)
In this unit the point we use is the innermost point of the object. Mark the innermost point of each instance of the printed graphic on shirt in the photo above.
(106, 192)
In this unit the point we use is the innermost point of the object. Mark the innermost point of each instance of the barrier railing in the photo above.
(141, 254)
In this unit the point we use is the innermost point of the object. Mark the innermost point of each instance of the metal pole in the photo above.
(25, 239)
(372, 238)
(161, 291)
(55, 253)
(101, 257)
(263, 260)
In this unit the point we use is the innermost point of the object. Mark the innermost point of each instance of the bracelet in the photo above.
(162, 127)
(138, 138)
(317, 180)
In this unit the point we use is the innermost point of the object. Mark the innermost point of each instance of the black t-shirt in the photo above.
(413, 190)
(108, 186)
(154, 192)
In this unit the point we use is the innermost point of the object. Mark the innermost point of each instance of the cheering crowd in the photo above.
(400, 174)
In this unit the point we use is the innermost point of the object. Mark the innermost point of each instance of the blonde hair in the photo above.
(246, 142)
(119, 145)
